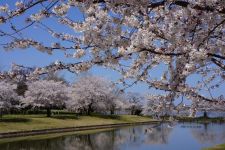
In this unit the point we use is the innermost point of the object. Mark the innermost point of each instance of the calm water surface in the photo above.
(187, 136)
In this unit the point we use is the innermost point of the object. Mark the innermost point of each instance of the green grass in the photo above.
(201, 119)
(217, 147)
(11, 123)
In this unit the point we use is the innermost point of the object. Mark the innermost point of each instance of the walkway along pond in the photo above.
(69, 129)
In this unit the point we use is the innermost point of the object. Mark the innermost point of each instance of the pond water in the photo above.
(182, 136)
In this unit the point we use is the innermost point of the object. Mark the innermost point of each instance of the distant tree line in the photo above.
(89, 94)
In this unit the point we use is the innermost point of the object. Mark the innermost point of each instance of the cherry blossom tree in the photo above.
(158, 106)
(93, 94)
(8, 97)
(114, 100)
(55, 76)
(204, 106)
(135, 103)
(46, 94)
(131, 37)
(19, 74)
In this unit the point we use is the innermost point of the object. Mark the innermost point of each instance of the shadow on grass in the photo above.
(117, 117)
(64, 117)
(14, 120)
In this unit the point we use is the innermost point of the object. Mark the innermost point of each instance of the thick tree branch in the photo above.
(216, 55)
(181, 3)
(218, 63)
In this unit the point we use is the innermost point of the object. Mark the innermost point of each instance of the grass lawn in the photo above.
(217, 147)
(11, 123)
(201, 119)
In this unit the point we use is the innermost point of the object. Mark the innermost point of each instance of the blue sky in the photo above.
(32, 57)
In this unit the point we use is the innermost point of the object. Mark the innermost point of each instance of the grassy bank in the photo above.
(12, 123)
(201, 119)
(217, 147)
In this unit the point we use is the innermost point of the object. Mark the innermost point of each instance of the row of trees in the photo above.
(88, 95)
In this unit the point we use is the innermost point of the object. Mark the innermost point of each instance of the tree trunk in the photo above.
(89, 109)
(132, 111)
(88, 112)
(0, 114)
(112, 112)
(49, 112)
(205, 114)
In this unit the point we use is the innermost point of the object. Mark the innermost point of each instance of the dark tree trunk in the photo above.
(137, 112)
(205, 115)
(89, 111)
(49, 112)
(1, 114)
(112, 112)
(132, 111)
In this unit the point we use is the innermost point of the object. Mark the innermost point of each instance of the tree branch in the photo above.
(218, 63)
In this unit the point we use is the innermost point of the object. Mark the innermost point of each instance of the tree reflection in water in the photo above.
(101, 141)
(158, 135)
(208, 133)
(123, 138)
